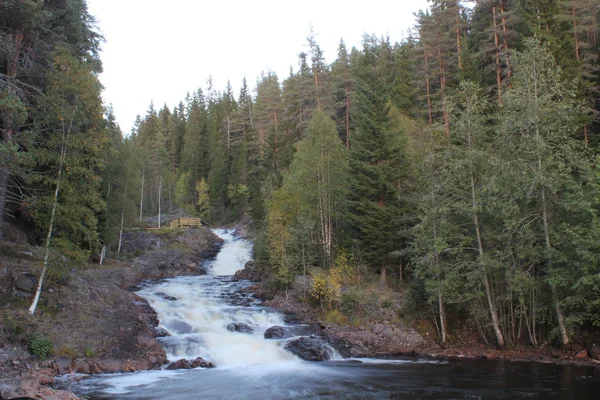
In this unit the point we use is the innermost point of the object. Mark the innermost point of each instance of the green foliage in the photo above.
(71, 122)
(284, 277)
(185, 191)
(326, 288)
(349, 302)
(40, 346)
(378, 161)
(416, 301)
(88, 351)
(203, 202)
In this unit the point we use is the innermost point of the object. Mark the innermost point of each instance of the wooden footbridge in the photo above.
(185, 222)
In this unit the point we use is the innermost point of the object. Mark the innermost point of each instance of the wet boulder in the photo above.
(62, 364)
(181, 327)
(239, 327)
(187, 364)
(161, 332)
(310, 349)
(286, 332)
(166, 296)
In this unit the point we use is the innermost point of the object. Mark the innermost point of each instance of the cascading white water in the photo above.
(197, 317)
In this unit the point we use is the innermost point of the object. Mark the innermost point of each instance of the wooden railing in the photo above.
(181, 222)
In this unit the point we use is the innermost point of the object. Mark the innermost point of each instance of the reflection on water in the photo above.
(404, 379)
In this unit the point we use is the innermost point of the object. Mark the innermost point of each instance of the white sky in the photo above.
(160, 50)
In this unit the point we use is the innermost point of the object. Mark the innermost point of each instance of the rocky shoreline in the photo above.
(389, 338)
(93, 319)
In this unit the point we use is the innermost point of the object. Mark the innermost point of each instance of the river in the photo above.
(196, 310)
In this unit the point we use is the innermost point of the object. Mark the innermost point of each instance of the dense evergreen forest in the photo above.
(459, 164)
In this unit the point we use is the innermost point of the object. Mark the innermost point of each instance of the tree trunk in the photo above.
(575, 31)
(159, 196)
(63, 156)
(102, 255)
(383, 275)
(347, 120)
(443, 90)
(442, 316)
(142, 196)
(401, 272)
(506, 48)
(498, 72)
(458, 46)
(486, 282)
(442, 309)
(122, 216)
(427, 84)
(4, 174)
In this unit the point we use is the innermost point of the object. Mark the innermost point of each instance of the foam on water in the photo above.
(116, 384)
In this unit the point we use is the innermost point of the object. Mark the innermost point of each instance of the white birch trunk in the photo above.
(142, 195)
(63, 156)
(159, 195)
(122, 218)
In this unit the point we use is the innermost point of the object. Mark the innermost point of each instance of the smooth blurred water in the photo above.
(251, 367)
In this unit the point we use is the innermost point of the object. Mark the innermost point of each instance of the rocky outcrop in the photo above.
(248, 273)
(402, 335)
(186, 364)
(310, 349)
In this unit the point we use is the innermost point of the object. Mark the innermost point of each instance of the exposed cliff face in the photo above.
(91, 315)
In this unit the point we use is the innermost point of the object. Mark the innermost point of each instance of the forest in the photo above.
(458, 164)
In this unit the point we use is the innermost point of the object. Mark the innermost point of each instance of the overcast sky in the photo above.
(160, 50)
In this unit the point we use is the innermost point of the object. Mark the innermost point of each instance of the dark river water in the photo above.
(251, 367)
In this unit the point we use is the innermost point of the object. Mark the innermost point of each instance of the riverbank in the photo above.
(89, 314)
(383, 334)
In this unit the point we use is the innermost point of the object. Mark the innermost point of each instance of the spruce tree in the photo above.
(377, 160)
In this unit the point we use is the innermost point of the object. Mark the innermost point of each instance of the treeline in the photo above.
(51, 119)
(461, 160)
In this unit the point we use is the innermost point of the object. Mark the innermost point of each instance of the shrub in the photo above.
(350, 302)
(89, 352)
(335, 317)
(387, 303)
(416, 302)
(40, 346)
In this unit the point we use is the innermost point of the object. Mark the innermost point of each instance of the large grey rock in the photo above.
(181, 327)
(186, 364)
(8, 388)
(286, 332)
(239, 327)
(26, 282)
(63, 364)
(310, 349)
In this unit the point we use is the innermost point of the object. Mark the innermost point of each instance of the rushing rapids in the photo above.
(196, 312)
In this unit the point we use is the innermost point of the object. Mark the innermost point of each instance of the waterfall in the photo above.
(196, 310)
